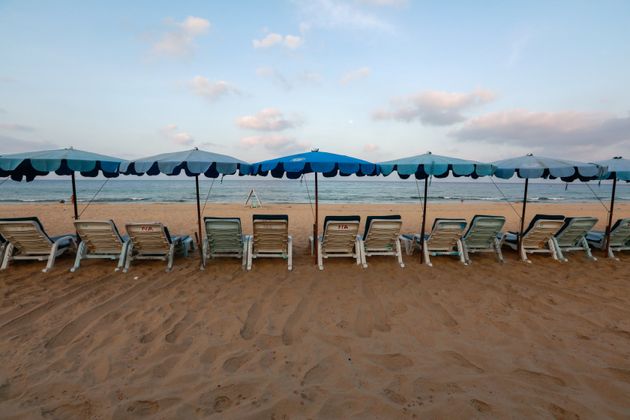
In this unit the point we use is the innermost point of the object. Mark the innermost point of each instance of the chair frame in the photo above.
(83, 250)
(448, 242)
(337, 233)
(495, 242)
(207, 250)
(580, 243)
(614, 245)
(381, 243)
(532, 245)
(167, 254)
(252, 245)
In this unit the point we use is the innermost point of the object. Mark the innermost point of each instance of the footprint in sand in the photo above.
(481, 406)
(253, 315)
(455, 358)
(539, 377)
(395, 361)
(222, 403)
(143, 408)
(234, 363)
(394, 397)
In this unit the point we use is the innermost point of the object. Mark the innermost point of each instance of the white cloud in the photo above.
(180, 40)
(343, 14)
(434, 107)
(16, 145)
(15, 127)
(181, 138)
(212, 90)
(275, 76)
(275, 143)
(354, 75)
(371, 148)
(268, 119)
(289, 41)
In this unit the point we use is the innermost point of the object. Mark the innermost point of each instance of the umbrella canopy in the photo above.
(328, 164)
(29, 165)
(428, 164)
(530, 166)
(617, 168)
(193, 162)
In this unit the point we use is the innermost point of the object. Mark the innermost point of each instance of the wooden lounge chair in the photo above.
(152, 241)
(572, 236)
(270, 239)
(444, 239)
(381, 237)
(619, 238)
(224, 238)
(340, 239)
(484, 235)
(538, 237)
(100, 239)
(27, 240)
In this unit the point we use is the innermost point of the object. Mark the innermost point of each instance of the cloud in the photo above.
(268, 119)
(341, 14)
(271, 39)
(15, 127)
(354, 75)
(275, 76)
(181, 138)
(371, 148)
(180, 41)
(275, 143)
(15, 145)
(433, 107)
(212, 90)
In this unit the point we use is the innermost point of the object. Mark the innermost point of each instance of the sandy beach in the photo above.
(546, 339)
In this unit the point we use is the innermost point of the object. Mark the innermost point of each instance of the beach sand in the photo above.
(546, 339)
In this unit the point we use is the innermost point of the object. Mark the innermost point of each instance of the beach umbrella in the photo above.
(67, 161)
(427, 165)
(328, 164)
(193, 162)
(530, 166)
(617, 168)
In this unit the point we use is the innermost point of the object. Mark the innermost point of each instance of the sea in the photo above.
(331, 190)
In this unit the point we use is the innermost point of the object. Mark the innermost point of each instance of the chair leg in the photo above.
(558, 250)
(524, 255)
(245, 240)
(363, 256)
(250, 252)
(357, 250)
(80, 254)
(290, 251)
(312, 244)
(399, 253)
(460, 250)
(170, 256)
(123, 255)
(465, 252)
(611, 254)
(587, 249)
(552, 247)
(204, 253)
(8, 255)
(129, 257)
(320, 257)
(51, 258)
(497, 247)
(425, 251)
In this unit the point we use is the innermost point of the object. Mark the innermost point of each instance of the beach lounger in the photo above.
(381, 237)
(224, 238)
(152, 241)
(339, 239)
(619, 238)
(27, 240)
(572, 236)
(538, 237)
(3, 244)
(484, 235)
(270, 239)
(445, 238)
(100, 239)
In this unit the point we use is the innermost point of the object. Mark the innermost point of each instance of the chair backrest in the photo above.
(483, 230)
(224, 234)
(620, 233)
(149, 238)
(26, 234)
(381, 232)
(100, 236)
(573, 230)
(541, 229)
(271, 233)
(445, 234)
(340, 233)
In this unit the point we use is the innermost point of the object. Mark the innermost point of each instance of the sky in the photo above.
(376, 79)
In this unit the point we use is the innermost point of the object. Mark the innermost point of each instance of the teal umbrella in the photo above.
(30, 165)
(618, 168)
(427, 165)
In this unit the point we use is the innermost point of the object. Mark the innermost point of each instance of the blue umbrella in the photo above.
(67, 161)
(428, 164)
(618, 168)
(328, 164)
(193, 162)
(530, 166)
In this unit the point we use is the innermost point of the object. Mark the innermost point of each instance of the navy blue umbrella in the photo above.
(328, 164)
(29, 165)
(428, 164)
(530, 166)
(192, 162)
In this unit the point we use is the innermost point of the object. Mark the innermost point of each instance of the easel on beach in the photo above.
(252, 198)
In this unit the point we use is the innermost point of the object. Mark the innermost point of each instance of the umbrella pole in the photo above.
(424, 217)
(74, 197)
(315, 227)
(610, 213)
(198, 214)
(520, 236)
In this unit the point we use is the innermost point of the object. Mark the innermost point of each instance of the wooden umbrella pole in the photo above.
(315, 227)
(520, 236)
(198, 214)
(610, 213)
(424, 217)
(74, 197)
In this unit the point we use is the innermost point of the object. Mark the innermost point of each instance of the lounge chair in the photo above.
(381, 237)
(3, 244)
(270, 239)
(340, 239)
(572, 236)
(538, 237)
(224, 238)
(152, 241)
(27, 240)
(619, 238)
(484, 235)
(100, 239)
(445, 238)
